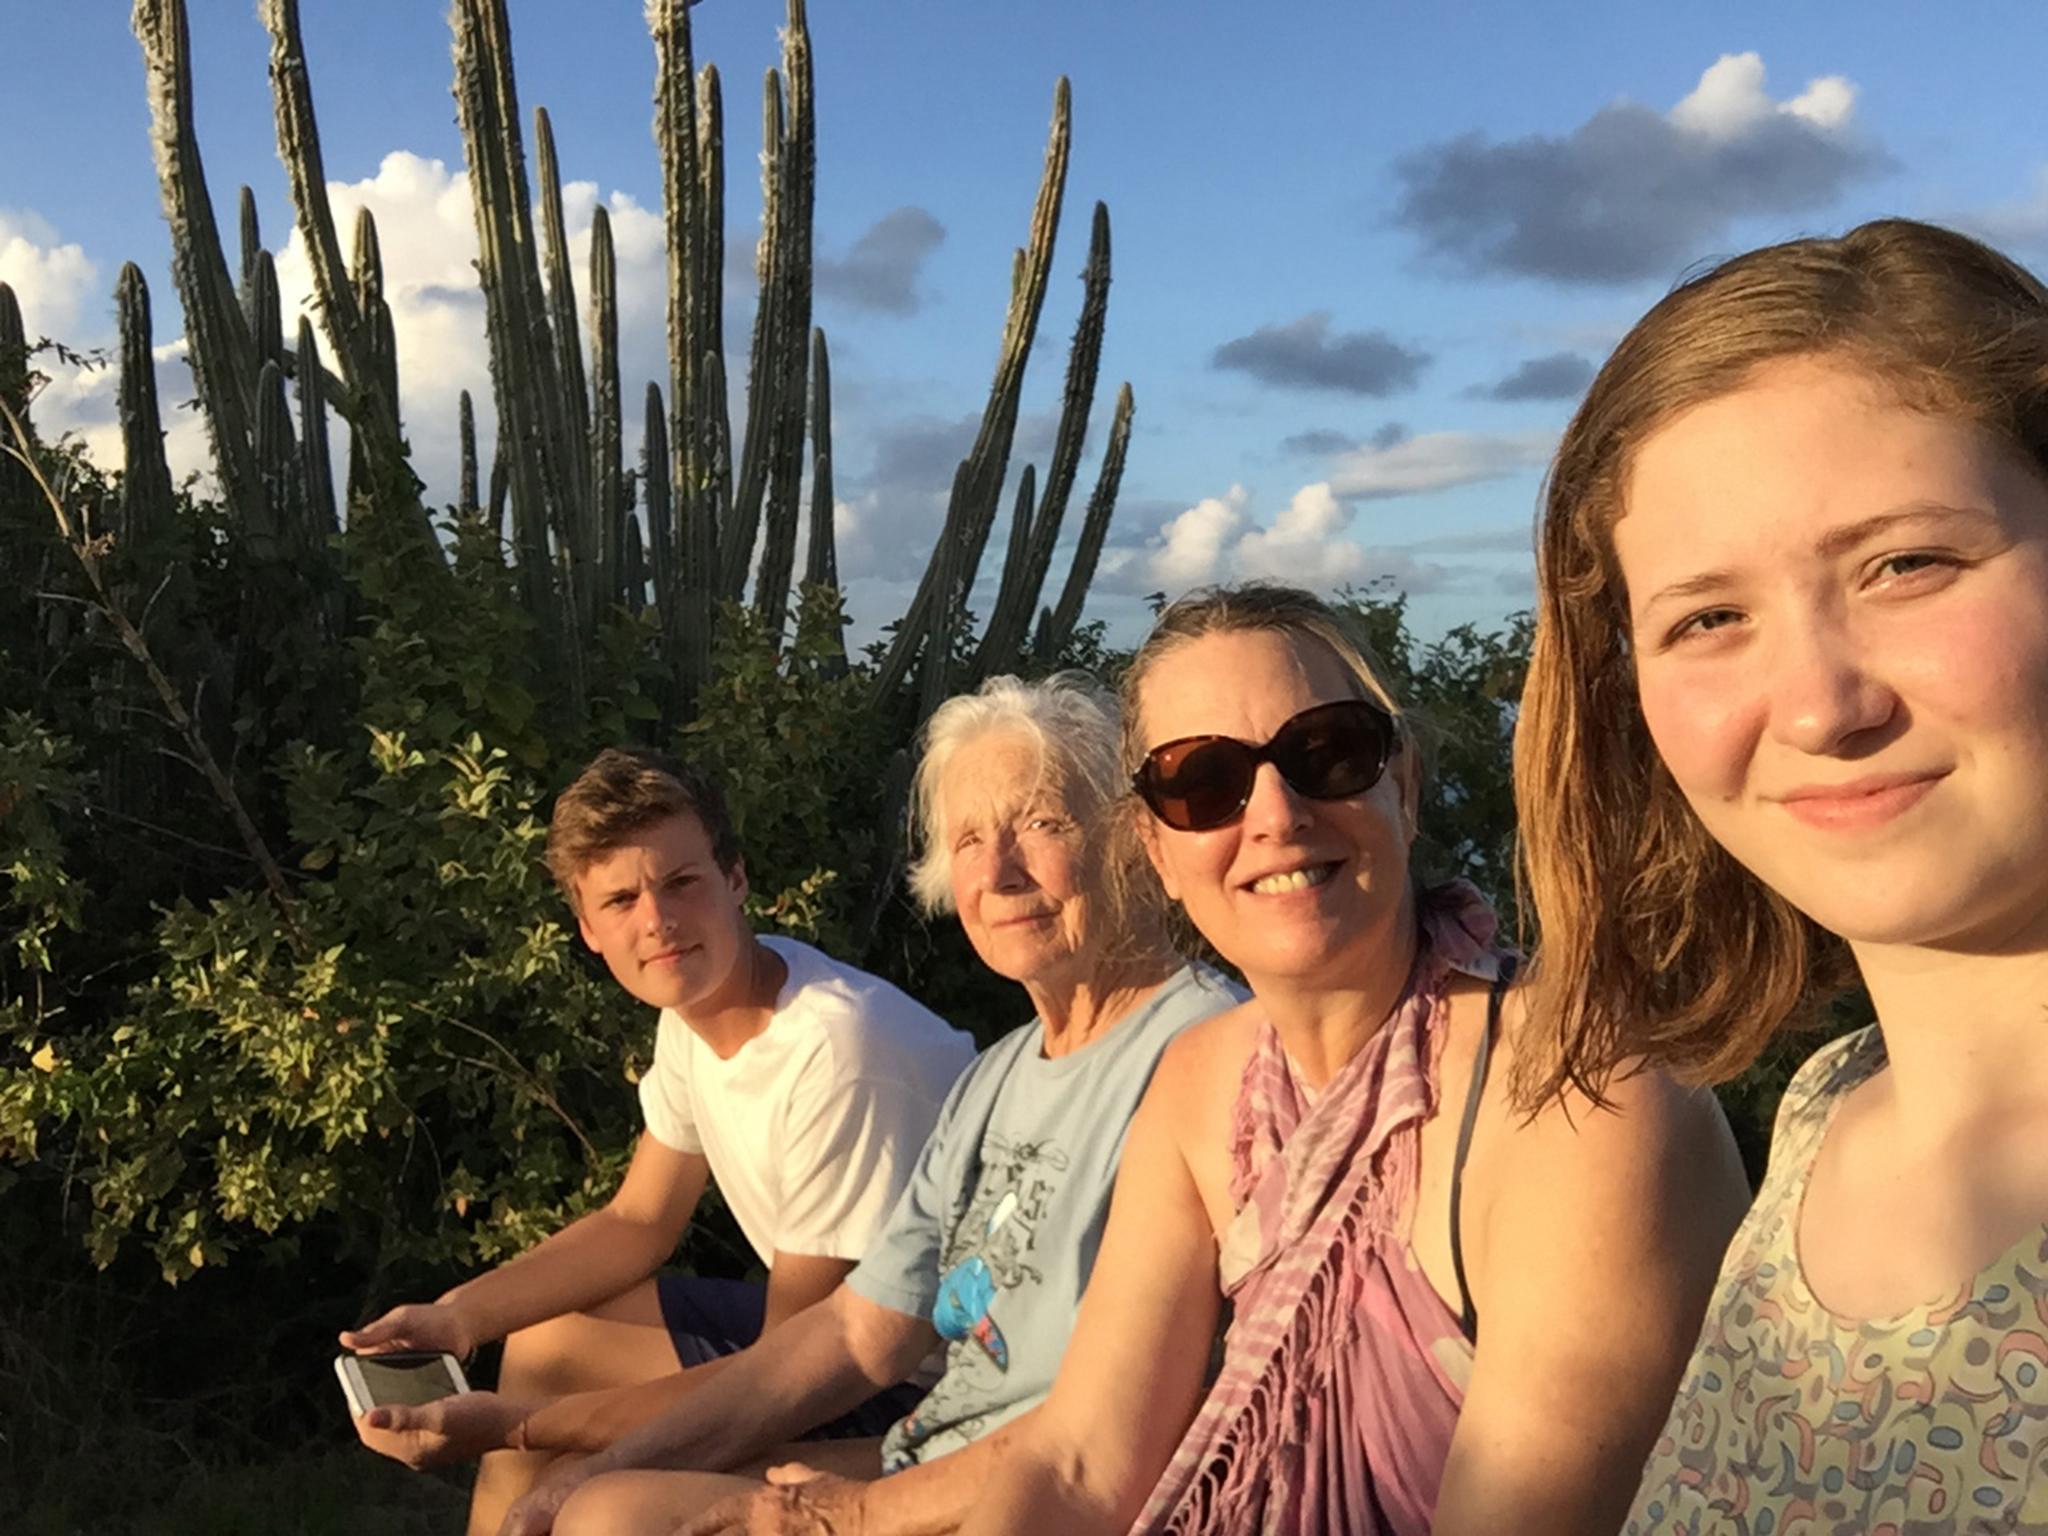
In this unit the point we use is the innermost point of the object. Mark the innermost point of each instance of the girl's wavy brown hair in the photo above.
(1655, 944)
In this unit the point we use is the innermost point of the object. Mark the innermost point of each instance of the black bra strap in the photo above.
(1468, 1316)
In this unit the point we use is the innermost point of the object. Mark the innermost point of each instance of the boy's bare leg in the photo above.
(619, 1344)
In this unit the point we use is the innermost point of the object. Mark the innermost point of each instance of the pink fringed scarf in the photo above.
(1343, 1370)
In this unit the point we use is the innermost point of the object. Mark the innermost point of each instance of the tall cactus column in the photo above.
(976, 488)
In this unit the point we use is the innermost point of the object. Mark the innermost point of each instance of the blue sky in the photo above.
(1365, 256)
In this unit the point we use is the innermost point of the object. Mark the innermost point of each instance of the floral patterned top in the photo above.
(1794, 1422)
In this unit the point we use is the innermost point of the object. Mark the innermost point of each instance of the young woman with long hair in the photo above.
(1787, 725)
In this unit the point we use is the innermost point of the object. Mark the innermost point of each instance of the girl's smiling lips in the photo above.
(1859, 804)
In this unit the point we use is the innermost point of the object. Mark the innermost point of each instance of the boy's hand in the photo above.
(428, 1327)
(437, 1434)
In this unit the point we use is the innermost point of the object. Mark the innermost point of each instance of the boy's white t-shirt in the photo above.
(813, 1127)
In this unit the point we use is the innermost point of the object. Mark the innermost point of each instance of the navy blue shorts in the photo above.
(708, 1319)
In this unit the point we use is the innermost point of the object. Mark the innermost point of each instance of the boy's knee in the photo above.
(618, 1504)
(538, 1360)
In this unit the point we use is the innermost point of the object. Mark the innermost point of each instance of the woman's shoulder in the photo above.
(1638, 1115)
(1210, 1051)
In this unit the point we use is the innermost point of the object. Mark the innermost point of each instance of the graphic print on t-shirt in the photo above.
(991, 1252)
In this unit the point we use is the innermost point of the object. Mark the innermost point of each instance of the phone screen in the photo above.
(409, 1379)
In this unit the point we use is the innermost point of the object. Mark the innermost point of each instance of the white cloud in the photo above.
(1309, 542)
(62, 297)
(1306, 537)
(1437, 461)
(1191, 544)
(50, 276)
(1730, 101)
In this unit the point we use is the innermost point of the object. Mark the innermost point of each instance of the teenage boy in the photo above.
(804, 1087)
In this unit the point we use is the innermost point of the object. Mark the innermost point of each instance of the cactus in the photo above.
(821, 557)
(654, 472)
(366, 283)
(277, 462)
(318, 471)
(607, 434)
(561, 291)
(971, 510)
(1056, 626)
(949, 594)
(466, 504)
(501, 488)
(13, 355)
(684, 589)
(786, 449)
(1024, 573)
(763, 371)
(220, 346)
(365, 393)
(146, 497)
(266, 320)
(715, 415)
(1014, 560)
(634, 566)
(524, 369)
(719, 504)
(252, 238)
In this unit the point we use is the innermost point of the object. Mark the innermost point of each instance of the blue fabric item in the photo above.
(996, 1233)
(708, 1318)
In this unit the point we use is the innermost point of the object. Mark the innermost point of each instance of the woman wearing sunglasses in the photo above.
(1449, 1311)
(1790, 692)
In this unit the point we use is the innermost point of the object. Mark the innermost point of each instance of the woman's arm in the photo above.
(820, 1363)
(1131, 1378)
(930, 1499)
(1599, 1236)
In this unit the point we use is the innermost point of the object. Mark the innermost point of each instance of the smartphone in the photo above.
(374, 1380)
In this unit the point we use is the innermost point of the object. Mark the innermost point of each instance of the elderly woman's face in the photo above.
(1019, 862)
(1293, 890)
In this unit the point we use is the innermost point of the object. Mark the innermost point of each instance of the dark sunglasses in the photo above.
(1326, 753)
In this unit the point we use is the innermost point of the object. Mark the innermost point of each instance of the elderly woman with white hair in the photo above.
(991, 1245)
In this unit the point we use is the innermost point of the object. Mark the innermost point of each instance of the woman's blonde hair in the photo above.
(1655, 943)
(1248, 608)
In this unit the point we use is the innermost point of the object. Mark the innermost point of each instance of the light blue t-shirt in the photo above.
(994, 1237)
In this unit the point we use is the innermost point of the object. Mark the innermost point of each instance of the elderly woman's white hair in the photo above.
(1072, 720)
